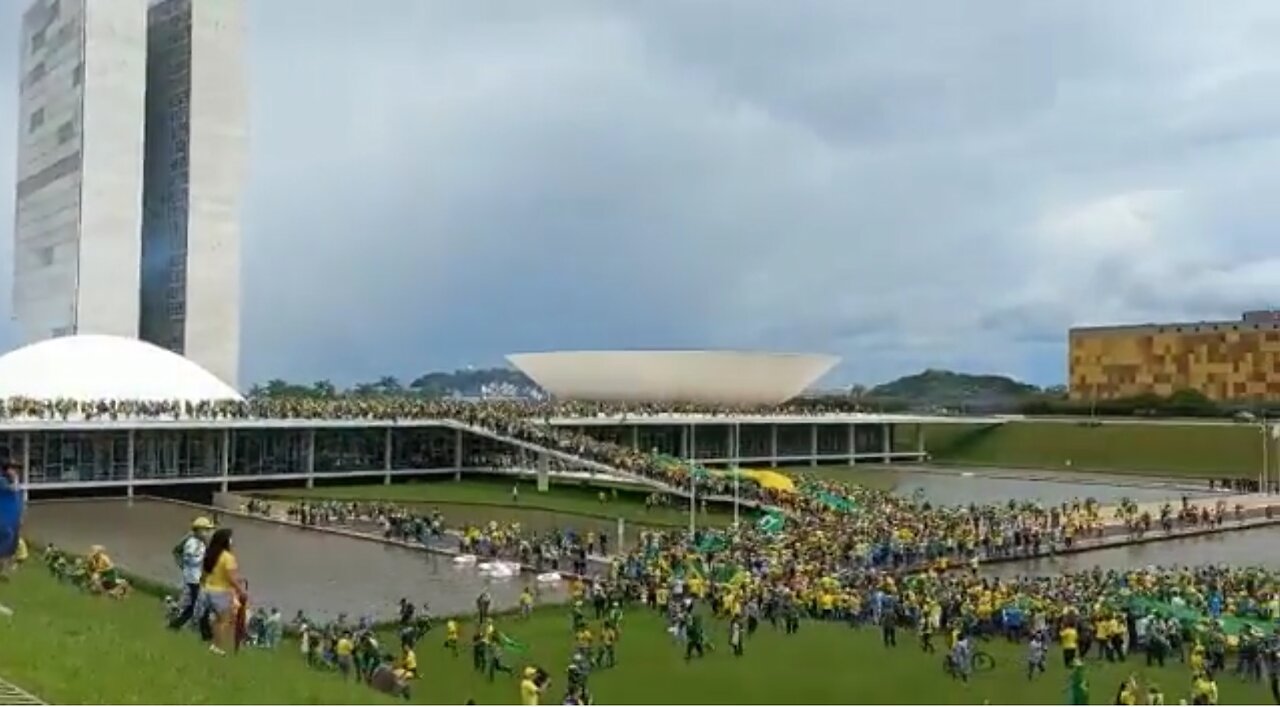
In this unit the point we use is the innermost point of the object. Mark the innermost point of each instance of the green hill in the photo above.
(936, 387)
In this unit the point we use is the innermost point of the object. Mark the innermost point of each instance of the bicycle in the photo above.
(980, 662)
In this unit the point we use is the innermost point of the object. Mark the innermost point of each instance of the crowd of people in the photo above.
(552, 549)
(841, 553)
(388, 407)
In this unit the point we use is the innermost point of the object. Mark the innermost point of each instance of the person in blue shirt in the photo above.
(11, 508)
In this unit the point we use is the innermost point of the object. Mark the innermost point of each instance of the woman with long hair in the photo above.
(223, 588)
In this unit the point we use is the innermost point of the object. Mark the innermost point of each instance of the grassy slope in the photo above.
(79, 648)
(1185, 450)
(559, 498)
(67, 647)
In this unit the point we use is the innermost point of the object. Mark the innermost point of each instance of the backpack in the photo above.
(179, 550)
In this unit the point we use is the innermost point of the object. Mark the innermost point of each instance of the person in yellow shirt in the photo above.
(584, 641)
(451, 637)
(1204, 691)
(343, 651)
(1128, 692)
(526, 603)
(408, 663)
(530, 691)
(1196, 663)
(1070, 640)
(223, 588)
(607, 657)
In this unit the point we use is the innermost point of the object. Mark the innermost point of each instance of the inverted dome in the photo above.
(707, 377)
(97, 367)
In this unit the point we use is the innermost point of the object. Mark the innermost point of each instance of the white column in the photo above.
(887, 441)
(813, 444)
(853, 444)
(684, 442)
(773, 444)
(386, 458)
(735, 453)
(544, 473)
(26, 465)
(635, 437)
(693, 442)
(457, 454)
(309, 450)
(920, 441)
(224, 463)
(129, 458)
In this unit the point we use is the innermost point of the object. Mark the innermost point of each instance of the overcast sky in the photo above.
(905, 184)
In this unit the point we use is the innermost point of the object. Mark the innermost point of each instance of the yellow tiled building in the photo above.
(1232, 360)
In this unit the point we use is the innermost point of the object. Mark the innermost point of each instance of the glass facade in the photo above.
(62, 457)
(268, 452)
(350, 449)
(166, 177)
(57, 457)
(422, 448)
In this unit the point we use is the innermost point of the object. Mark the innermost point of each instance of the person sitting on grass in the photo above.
(386, 679)
(102, 576)
(408, 663)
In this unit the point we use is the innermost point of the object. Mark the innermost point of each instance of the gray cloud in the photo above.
(907, 185)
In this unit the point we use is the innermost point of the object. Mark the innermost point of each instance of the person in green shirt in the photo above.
(1078, 687)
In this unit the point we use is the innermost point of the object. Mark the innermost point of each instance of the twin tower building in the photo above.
(131, 169)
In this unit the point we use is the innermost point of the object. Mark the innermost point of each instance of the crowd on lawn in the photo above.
(842, 553)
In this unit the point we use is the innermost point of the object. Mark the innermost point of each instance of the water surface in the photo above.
(319, 573)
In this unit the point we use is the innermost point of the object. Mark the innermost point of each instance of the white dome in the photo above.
(96, 367)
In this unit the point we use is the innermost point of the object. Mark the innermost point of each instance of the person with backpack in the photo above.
(188, 554)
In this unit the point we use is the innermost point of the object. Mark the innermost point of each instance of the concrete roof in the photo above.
(96, 367)
(710, 377)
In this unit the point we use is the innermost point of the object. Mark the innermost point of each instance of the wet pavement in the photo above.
(960, 487)
(1239, 548)
(319, 573)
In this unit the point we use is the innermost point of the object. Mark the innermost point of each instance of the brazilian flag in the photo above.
(771, 522)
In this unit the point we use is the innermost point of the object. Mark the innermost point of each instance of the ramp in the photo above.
(11, 694)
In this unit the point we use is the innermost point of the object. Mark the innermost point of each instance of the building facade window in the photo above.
(37, 119)
(66, 131)
(37, 40)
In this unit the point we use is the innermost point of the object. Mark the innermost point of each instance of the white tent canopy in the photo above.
(95, 367)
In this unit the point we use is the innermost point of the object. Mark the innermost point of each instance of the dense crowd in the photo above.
(482, 412)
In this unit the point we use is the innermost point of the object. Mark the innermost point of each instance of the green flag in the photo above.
(771, 522)
(512, 645)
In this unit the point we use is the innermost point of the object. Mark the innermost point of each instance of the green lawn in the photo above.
(1226, 451)
(81, 649)
(68, 647)
(560, 498)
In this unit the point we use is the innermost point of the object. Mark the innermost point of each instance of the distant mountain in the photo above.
(475, 382)
(937, 387)
(465, 383)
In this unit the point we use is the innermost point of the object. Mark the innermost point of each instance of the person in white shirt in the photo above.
(189, 556)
